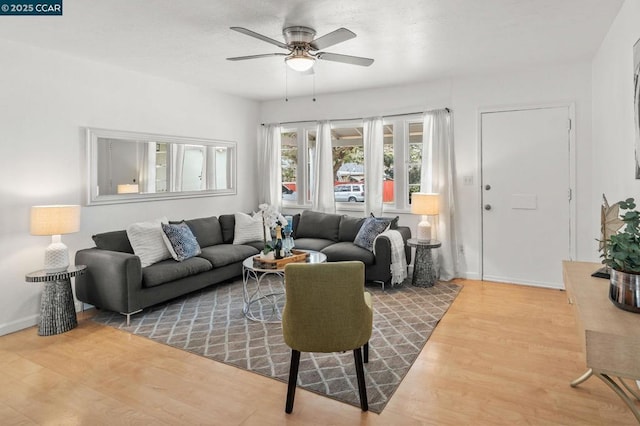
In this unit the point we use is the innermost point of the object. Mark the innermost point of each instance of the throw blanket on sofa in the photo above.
(398, 259)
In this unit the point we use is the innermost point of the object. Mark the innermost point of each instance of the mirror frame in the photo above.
(93, 198)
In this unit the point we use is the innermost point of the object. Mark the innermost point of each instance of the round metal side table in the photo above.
(425, 272)
(261, 304)
(57, 310)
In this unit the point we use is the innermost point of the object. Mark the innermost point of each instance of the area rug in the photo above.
(210, 323)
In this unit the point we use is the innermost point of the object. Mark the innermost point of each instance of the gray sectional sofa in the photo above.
(115, 280)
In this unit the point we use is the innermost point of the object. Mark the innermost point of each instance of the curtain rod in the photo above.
(352, 119)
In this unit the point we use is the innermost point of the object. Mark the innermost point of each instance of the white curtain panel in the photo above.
(438, 176)
(323, 197)
(209, 180)
(269, 167)
(177, 159)
(373, 157)
(147, 169)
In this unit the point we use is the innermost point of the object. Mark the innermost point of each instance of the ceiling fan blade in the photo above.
(260, 37)
(347, 59)
(265, 55)
(334, 37)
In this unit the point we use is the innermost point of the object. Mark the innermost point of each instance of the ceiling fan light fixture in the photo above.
(300, 63)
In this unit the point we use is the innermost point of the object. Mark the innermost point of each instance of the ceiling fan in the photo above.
(304, 48)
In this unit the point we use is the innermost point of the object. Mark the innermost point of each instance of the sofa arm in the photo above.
(380, 271)
(405, 231)
(111, 281)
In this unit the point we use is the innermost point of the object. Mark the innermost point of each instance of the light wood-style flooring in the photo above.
(502, 355)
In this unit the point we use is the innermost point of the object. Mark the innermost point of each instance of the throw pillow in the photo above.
(147, 242)
(393, 220)
(114, 241)
(371, 228)
(180, 241)
(249, 228)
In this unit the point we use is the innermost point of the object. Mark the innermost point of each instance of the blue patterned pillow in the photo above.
(180, 241)
(371, 228)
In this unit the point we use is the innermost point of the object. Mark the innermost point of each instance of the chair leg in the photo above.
(293, 379)
(365, 352)
(362, 387)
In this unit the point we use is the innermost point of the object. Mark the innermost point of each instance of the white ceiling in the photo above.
(410, 40)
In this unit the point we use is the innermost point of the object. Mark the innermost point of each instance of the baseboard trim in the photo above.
(17, 325)
(555, 286)
(469, 275)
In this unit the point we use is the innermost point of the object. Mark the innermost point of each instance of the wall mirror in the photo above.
(132, 167)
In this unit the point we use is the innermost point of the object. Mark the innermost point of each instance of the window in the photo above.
(289, 165)
(401, 163)
(415, 158)
(347, 148)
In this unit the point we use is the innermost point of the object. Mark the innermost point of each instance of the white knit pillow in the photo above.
(248, 228)
(147, 241)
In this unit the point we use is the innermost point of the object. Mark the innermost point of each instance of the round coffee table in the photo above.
(263, 299)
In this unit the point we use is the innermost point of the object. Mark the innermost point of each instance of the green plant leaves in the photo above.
(622, 250)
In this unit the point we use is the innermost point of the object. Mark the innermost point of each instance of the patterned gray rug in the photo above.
(210, 323)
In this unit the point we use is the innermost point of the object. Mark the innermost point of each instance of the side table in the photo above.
(57, 310)
(425, 273)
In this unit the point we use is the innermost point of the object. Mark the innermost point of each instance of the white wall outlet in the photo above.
(467, 180)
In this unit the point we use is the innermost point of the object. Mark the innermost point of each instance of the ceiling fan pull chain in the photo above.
(286, 83)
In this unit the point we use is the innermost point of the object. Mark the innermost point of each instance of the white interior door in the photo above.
(192, 168)
(525, 195)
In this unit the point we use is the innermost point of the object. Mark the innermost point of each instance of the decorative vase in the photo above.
(624, 290)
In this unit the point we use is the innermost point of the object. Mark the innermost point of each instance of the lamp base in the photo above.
(56, 256)
(424, 230)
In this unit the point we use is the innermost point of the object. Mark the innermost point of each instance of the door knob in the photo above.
(487, 187)
(487, 206)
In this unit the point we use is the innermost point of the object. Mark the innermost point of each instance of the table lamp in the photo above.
(128, 188)
(55, 220)
(427, 205)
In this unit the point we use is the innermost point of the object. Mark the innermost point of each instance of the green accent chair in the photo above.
(327, 310)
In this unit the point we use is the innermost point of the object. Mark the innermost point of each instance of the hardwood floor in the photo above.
(502, 355)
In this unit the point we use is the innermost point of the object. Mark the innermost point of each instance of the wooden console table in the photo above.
(610, 336)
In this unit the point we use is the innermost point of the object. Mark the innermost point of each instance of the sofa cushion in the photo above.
(147, 241)
(170, 270)
(180, 241)
(114, 241)
(318, 225)
(316, 244)
(249, 228)
(295, 220)
(393, 220)
(226, 254)
(349, 227)
(228, 224)
(348, 251)
(207, 230)
(371, 228)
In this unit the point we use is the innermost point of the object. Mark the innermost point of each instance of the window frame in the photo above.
(401, 162)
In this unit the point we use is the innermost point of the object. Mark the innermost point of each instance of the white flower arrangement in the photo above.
(271, 218)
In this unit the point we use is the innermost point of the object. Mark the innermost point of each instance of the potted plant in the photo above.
(622, 254)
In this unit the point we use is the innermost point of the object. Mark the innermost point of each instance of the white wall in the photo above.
(47, 98)
(466, 96)
(613, 126)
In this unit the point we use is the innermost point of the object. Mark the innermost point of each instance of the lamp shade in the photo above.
(425, 203)
(55, 220)
(128, 188)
